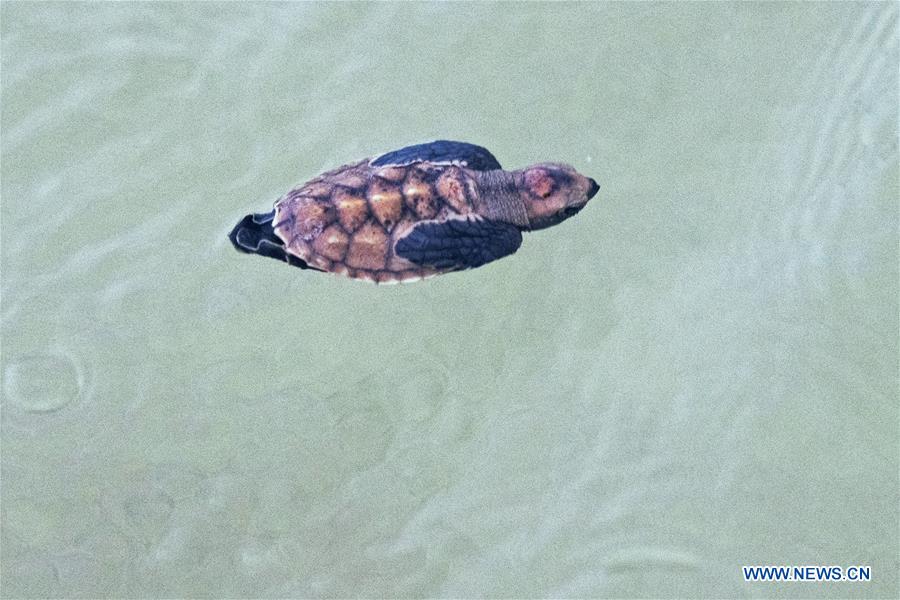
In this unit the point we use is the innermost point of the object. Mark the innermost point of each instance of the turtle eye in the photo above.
(539, 182)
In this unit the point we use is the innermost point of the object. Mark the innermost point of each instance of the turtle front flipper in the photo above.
(254, 234)
(458, 244)
(441, 151)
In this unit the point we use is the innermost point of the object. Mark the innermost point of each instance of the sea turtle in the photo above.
(413, 213)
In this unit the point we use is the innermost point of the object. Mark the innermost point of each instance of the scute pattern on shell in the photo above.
(348, 220)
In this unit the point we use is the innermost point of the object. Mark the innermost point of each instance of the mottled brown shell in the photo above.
(348, 220)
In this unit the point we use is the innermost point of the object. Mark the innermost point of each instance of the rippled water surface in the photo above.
(697, 372)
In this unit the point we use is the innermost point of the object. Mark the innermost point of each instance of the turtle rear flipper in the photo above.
(458, 244)
(254, 235)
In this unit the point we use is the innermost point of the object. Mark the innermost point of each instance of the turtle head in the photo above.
(553, 192)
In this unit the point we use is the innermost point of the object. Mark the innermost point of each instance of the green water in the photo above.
(698, 372)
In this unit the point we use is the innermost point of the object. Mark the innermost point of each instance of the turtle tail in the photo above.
(254, 234)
